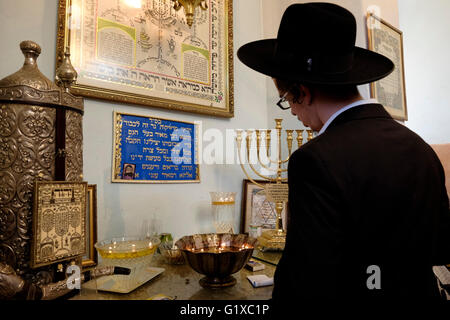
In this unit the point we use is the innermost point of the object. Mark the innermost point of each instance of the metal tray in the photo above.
(120, 283)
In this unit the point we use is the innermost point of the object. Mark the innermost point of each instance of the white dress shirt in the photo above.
(351, 105)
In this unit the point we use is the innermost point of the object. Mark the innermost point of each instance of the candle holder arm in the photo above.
(265, 166)
(238, 141)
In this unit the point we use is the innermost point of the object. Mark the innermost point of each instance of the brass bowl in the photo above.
(217, 256)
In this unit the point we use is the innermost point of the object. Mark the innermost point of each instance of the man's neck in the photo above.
(327, 108)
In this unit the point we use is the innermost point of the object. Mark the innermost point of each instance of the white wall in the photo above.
(182, 208)
(22, 21)
(426, 34)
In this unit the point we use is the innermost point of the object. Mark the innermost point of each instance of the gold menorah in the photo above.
(276, 189)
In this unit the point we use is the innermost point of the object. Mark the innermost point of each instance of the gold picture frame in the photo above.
(390, 91)
(149, 55)
(145, 144)
(59, 221)
(255, 205)
(90, 259)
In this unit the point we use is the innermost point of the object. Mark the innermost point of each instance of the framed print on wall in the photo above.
(90, 259)
(256, 209)
(154, 150)
(144, 52)
(388, 41)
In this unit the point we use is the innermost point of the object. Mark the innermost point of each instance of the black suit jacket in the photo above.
(366, 192)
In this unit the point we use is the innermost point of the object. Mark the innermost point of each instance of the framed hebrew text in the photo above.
(389, 91)
(144, 52)
(154, 150)
(59, 221)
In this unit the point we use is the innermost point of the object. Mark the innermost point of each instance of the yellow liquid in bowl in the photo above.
(134, 254)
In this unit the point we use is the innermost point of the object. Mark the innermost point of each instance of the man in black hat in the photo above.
(368, 208)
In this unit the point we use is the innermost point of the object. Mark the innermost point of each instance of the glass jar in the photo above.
(223, 204)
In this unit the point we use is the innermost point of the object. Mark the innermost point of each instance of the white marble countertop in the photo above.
(182, 282)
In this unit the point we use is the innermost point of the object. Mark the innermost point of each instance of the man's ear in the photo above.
(308, 97)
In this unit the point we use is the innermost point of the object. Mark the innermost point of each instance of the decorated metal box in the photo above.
(40, 140)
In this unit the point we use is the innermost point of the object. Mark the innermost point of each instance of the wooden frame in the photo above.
(148, 55)
(59, 222)
(249, 190)
(390, 91)
(148, 144)
(91, 259)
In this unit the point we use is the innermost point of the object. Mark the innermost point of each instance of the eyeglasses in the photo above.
(283, 103)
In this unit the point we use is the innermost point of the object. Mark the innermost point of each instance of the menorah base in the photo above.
(272, 240)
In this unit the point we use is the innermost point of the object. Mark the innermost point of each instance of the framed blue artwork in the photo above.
(154, 150)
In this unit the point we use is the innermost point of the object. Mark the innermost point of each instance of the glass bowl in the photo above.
(172, 255)
(133, 253)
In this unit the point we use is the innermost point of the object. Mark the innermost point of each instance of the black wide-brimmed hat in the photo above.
(316, 45)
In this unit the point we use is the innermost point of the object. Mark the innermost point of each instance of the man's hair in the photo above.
(336, 92)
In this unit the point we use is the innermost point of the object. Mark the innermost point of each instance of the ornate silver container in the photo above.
(41, 138)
